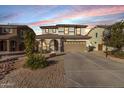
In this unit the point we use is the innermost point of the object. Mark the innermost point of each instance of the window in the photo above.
(71, 28)
(50, 31)
(11, 30)
(47, 30)
(6, 30)
(66, 30)
(96, 35)
(54, 30)
(78, 31)
(61, 29)
(21, 33)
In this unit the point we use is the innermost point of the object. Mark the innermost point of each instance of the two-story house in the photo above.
(12, 37)
(63, 38)
(97, 34)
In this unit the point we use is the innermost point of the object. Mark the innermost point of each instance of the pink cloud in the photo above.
(95, 12)
(75, 13)
(44, 22)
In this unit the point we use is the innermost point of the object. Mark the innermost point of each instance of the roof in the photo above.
(6, 37)
(98, 26)
(63, 25)
(15, 26)
(47, 36)
(1, 25)
(56, 36)
(71, 25)
(103, 26)
(76, 37)
(48, 27)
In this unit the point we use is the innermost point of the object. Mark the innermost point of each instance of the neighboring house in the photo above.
(97, 37)
(63, 38)
(12, 37)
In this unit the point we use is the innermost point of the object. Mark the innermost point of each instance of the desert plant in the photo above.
(36, 61)
(29, 41)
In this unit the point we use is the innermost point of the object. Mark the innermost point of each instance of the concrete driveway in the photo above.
(90, 70)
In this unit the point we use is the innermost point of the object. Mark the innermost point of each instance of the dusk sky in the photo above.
(35, 16)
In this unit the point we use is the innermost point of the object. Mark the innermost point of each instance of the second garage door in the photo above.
(74, 46)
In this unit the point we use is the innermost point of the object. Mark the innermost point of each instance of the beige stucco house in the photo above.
(97, 38)
(63, 38)
(71, 38)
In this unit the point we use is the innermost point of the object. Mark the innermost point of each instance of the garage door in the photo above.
(74, 46)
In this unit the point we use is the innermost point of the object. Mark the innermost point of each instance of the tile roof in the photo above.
(71, 25)
(56, 36)
(63, 25)
(48, 27)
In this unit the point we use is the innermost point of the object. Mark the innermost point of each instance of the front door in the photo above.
(100, 47)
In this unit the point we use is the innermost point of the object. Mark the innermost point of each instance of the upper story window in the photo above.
(66, 30)
(71, 28)
(50, 30)
(47, 30)
(7, 30)
(21, 33)
(61, 29)
(54, 30)
(11, 30)
(96, 35)
(78, 31)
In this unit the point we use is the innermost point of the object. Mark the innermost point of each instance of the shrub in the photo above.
(119, 54)
(36, 61)
(90, 48)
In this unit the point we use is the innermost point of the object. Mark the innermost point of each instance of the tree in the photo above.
(29, 40)
(33, 61)
(116, 35)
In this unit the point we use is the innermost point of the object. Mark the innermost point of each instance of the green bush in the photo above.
(36, 61)
(119, 54)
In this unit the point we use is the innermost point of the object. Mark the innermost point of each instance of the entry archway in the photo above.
(53, 45)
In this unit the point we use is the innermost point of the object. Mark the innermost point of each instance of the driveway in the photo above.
(90, 70)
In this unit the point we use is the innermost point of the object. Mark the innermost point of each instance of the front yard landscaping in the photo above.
(114, 37)
(118, 54)
(36, 61)
(48, 77)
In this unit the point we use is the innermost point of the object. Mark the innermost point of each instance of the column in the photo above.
(41, 46)
(59, 45)
(17, 46)
(8, 45)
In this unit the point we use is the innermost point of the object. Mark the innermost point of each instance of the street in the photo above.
(90, 70)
